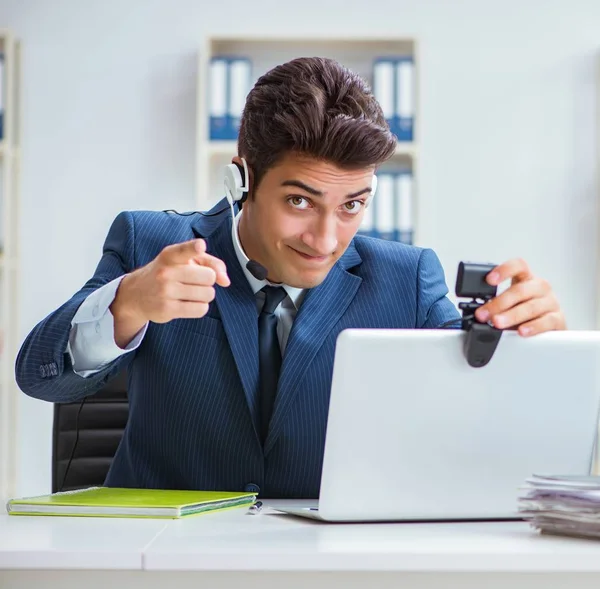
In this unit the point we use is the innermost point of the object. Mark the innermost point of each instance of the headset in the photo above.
(237, 182)
(237, 188)
(373, 190)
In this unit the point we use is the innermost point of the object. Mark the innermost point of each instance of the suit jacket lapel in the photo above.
(237, 307)
(322, 308)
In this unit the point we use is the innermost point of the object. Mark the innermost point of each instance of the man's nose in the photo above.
(322, 239)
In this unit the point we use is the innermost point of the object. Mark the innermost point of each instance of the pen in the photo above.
(256, 508)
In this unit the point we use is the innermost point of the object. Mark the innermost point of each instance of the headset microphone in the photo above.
(236, 190)
(257, 270)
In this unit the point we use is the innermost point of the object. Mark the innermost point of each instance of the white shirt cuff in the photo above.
(92, 339)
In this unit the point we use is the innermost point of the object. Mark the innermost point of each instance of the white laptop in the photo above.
(416, 434)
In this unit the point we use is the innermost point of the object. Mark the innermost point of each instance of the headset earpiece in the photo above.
(373, 189)
(237, 181)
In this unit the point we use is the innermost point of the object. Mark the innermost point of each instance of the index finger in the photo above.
(181, 253)
(216, 264)
(517, 269)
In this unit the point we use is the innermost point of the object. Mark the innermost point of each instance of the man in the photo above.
(173, 301)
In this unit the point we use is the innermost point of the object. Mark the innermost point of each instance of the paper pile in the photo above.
(562, 504)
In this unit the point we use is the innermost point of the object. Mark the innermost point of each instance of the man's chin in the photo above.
(305, 279)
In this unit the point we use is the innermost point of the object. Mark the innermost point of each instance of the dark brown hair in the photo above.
(316, 107)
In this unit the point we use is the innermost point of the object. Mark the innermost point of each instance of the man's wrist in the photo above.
(124, 309)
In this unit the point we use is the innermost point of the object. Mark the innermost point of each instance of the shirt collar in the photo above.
(295, 294)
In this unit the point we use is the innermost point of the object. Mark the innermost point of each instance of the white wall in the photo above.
(508, 97)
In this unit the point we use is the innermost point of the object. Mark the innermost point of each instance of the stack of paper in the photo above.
(564, 504)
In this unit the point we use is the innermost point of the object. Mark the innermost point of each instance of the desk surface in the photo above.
(236, 541)
(45, 542)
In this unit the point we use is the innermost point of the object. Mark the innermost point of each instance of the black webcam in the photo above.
(471, 281)
(482, 338)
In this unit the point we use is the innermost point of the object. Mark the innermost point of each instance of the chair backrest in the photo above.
(100, 422)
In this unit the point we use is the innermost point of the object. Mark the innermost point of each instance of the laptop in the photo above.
(416, 434)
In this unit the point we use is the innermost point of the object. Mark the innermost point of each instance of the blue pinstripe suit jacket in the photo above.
(193, 383)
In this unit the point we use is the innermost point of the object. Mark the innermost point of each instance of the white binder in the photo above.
(383, 88)
(384, 206)
(217, 99)
(404, 207)
(2, 90)
(239, 86)
(367, 223)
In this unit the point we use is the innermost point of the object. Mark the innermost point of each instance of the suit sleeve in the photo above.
(43, 367)
(434, 308)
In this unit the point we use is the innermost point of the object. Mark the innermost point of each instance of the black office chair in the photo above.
(100, 421)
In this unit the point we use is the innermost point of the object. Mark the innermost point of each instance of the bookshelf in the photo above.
(10, 160)
(356, 53)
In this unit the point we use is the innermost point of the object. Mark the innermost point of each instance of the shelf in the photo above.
(10, 175)
(405, 149)
(358, 53)
(324, 38)
(218, 148)
(229, 148)
(7, 263)
(5, 150)
(275, 49)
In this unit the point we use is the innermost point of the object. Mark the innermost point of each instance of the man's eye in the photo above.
(298, 202)
(353, 206)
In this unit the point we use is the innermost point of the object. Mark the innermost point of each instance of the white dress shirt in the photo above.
(92, 340)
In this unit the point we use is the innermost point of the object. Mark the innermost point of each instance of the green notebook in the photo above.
(117, 502)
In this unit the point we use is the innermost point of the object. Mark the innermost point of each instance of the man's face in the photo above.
(302, 217)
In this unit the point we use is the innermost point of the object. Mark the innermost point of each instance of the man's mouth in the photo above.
(310, 258)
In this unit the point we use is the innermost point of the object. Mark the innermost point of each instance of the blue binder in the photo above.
(394, 88)
(229, 84)
(404, 113)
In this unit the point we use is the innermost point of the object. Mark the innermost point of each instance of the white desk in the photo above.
(232, 549)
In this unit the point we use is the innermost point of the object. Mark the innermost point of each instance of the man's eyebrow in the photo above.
(315, 192)
(301, 185)
(359, 193)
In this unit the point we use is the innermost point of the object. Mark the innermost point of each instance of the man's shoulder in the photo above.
(148, 232)
(175, 226)
(166, 226)
(393, 260)
(167, 220)
(373, 250)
